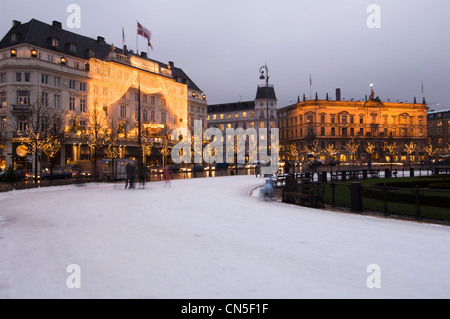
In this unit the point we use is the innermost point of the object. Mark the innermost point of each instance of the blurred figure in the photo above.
(267, 190)
(167, 176)
(141, 175)
(129, 169)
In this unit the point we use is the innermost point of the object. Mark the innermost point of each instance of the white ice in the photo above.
(208, 238)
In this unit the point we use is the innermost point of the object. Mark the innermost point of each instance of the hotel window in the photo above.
(352, 119)
(2, 77)
(322, 119)
(72, 84)
(361, 131)
(82, 105)
(214, 117)
(163, 117)
(152, 116)
(229, 116)
(72, 104)
(82, 86)
(136, 97)
(333, 119)
(152, 100)
(18, 77)
(222, 127)
(22, 123)
(73, 47)
(322, 131)
(262, 124)
(352, 131)
(123, 111)
(23, 97)
(54, 42)
(221, 116)
(27, 76)
(252, 114)
(244, 114)
(144, 98)
(344, 119)
(57, 81)
(301, 119)
(344, 131)
(83, 125)
(3, 124)
(361, 119)
(309, 119)
(57, 101)
(44, 78)
(252, 124)
(229, 125)
(44, 99)
(236, 115)
(3, 102)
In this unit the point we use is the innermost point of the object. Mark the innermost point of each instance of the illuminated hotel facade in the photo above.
(337, 123)
(45, 67)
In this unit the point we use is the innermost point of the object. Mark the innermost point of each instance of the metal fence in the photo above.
(416, 203)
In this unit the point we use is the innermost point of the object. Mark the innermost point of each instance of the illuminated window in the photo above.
(262, 124)
(244, 114)
(236, 115)
(222, 127)
(23, 97)
(252, 114)
(252, 124)
(221, 116)
(54, 42)
(3, 102)
(214, 117)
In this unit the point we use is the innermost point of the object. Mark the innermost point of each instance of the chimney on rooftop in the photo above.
(16, 23)
(144, 54)
(338, 94)
(101, 40)
(57, 25)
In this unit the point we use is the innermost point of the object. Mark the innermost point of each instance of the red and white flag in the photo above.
(141, 30)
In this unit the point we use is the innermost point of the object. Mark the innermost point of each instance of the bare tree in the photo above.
(43, 121)
(409, 149)
(392, 150)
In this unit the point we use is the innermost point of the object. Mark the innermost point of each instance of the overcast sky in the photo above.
(221, 45)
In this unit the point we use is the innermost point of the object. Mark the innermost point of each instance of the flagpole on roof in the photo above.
(137, 32)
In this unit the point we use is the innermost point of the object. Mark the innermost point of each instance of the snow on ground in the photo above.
(208, 238)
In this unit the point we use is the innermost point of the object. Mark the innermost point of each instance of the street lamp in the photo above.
(266, 77)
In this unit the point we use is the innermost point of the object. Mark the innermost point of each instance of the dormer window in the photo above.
(72, 47)
(91, 53)
(54, 42)
(14, 37)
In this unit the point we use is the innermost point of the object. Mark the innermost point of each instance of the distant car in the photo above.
(316, 163)
(173, 168)
(21, 175)
(57, 174)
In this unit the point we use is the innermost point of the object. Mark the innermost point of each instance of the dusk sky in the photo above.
(221, 45)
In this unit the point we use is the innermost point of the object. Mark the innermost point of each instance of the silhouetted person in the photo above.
(141, 175)
(130, 169)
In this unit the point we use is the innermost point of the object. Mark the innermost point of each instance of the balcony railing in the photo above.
(21, 107)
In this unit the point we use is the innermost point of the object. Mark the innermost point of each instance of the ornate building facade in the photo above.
(88, 84)
(337, 124)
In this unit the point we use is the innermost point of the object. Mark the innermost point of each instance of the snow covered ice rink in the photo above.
(208, 238)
